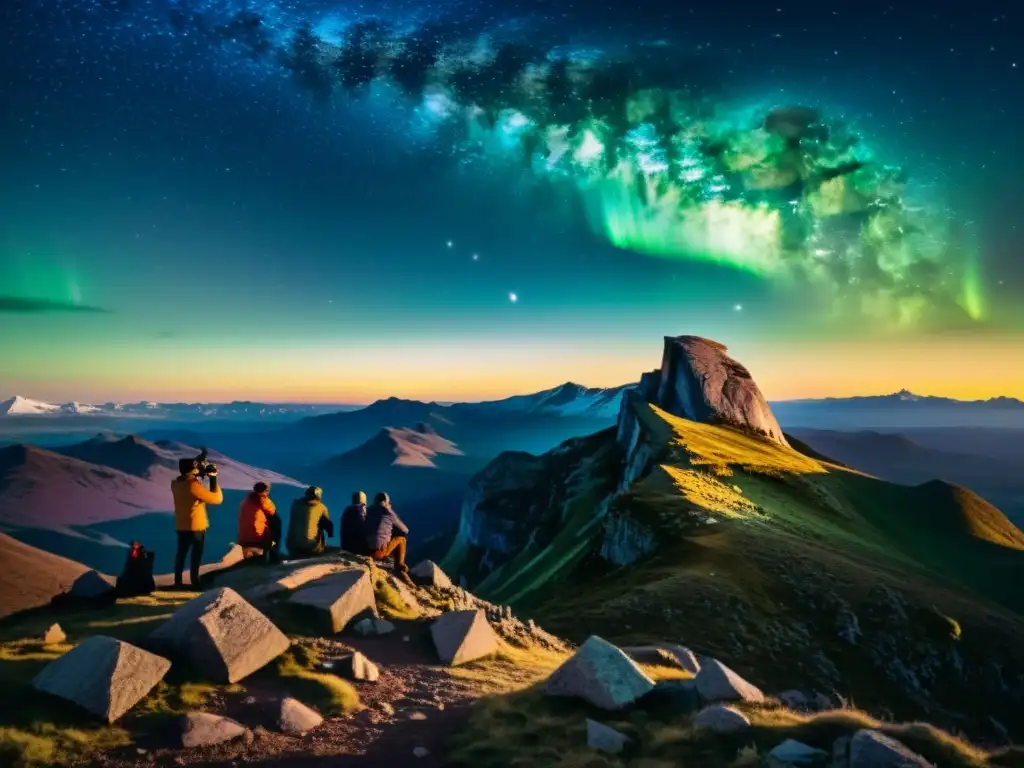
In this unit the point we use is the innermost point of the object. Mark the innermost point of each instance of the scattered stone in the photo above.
(202, 729)
(665, 655)
(417, 716)
(54, 635)
(671, 698)
(370, 626)
(103, 676)
(721, 719)
(794, 700)
(296, 719)
(463, 636)
(222, 635)
(421, 752)
(600, 674)
(355, 666)
(871, 749)
(792, 752)
(716, 682)
(429, 573)
(605, 739)
(339, 597)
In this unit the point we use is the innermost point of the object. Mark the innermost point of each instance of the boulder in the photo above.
(721, 719)
(670, 699)
(716, 682)
(374, 627)
(700, 382)
(600, 674)
(430, 574)
(203, 729)
(54, 635)
(871, 749)
(605, 739)
(91, 585)
(296, 719)
(222, 636)
(354, 666)
(103, 676)
(338, 598)
(463, 636)
(665, 655)
(792, 752)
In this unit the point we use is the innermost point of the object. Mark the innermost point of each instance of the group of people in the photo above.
(374, 531)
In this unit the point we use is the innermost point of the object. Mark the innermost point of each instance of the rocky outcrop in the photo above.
(463, 636)
(430, 574)
(222, 636)
(625, 540)
(600, 674)
(204, 729)
(103, 676)
(338, 598)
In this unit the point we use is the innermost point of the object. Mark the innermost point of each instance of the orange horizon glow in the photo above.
(967, 369)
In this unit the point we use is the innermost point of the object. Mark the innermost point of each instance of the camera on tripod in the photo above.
(204, 466)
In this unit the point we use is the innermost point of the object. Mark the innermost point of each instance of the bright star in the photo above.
(476, 257)
(737, 308)
(513, 298)
(449, 243)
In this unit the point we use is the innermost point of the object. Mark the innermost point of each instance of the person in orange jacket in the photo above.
(258, 523)
(190, 519)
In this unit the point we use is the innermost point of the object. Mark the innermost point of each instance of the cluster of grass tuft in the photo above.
(328, 693)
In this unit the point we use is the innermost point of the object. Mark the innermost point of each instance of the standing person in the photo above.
(381, 523)
(353, 525)
(190, 519)
(259, 526)
(309, 524)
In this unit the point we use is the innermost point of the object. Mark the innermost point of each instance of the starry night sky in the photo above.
(344, 201)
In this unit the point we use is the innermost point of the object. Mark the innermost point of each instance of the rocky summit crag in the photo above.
(696, 518)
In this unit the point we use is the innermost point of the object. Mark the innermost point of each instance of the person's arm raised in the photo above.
(200, 492)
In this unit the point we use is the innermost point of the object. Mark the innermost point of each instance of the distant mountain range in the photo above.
(18, 406)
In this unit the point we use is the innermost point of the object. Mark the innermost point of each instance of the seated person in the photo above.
(310, 524)
(259, 527)
(353, 525)
(381, 522)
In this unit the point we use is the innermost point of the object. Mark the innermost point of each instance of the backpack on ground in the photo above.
(137, 577)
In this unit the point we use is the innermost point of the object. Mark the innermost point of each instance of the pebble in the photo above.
(421, 752)
(417, 716)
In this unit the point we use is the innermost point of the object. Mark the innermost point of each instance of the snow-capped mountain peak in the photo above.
(23, 406)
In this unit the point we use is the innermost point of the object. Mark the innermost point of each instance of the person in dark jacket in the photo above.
(381, 525)
(353, 525)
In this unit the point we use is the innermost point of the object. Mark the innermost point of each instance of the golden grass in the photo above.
(328, 693)
(389, 600)
(706, 492)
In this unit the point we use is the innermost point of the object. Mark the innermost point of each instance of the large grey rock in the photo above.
(792, 752)
(338, 598)
(665, 654)
(871, 749)
(700, 382)
(103, 676)
(428, 572)
(222, 636)
(605, 739)
(600, 674)
(721, 719)
(463, 636)
(716, 682)
(203, 729)
(296, 719)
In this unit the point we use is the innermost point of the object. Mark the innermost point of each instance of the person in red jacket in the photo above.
(259, 526)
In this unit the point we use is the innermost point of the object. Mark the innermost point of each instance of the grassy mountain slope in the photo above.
(788, 566)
